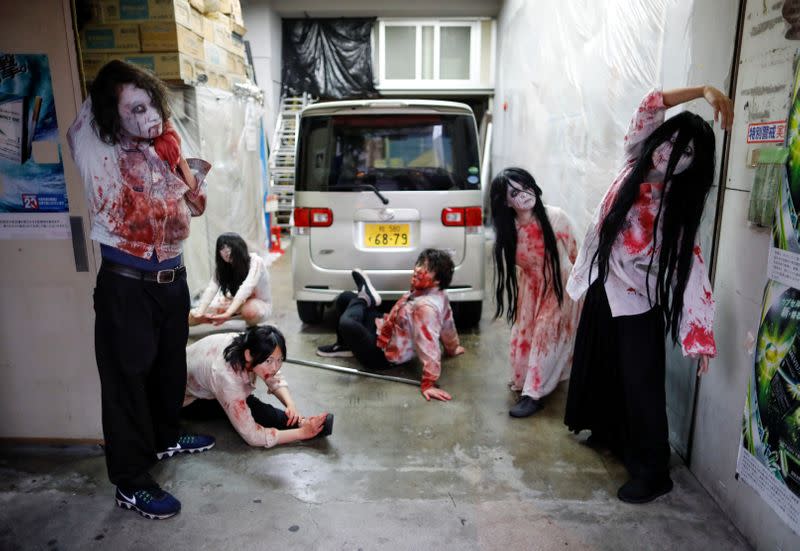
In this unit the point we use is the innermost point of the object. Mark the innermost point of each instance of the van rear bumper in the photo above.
(315, 284)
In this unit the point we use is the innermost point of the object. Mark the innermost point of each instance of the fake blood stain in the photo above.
(699, 338)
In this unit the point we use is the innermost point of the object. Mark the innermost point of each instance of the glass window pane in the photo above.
(412, 152)
(401, 43)
(454, 53)
(427, 53)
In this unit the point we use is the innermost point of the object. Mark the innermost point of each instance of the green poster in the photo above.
(769, 457)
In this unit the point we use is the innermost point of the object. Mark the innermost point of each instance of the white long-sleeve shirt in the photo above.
(256, 285)
(210, 377)
(136, 202)
(627, 282)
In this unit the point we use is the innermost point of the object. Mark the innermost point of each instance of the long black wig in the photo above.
(681, 207)
(505, 245)
(230, 275)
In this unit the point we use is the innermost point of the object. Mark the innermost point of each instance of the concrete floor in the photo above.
(398, 473)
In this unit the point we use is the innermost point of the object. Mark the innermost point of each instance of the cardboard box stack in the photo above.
(178, 40)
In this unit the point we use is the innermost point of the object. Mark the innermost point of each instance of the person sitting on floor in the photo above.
(417, 322)
(240, 285)
(222, 371)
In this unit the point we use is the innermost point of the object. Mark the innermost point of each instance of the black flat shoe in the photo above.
(526, 407)
(638, 490)
(327, 428)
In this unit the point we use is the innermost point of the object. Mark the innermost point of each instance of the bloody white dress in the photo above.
(543, 336)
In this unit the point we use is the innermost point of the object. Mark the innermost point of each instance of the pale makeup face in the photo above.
(268, 367)
(663, 151)
(138, 114)
(520, 198)
(225, 253)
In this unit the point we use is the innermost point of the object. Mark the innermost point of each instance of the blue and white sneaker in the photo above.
(152, 504)
(189, 443)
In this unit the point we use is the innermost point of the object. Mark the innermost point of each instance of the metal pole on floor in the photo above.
(351, 371)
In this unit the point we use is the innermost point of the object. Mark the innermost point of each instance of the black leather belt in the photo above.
(160, 276)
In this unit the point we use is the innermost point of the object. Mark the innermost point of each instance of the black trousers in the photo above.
(263, 414)
(141, 329)
(356, 330)
(617, 384)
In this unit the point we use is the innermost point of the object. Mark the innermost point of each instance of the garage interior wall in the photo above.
(50, 386)
(764, 87)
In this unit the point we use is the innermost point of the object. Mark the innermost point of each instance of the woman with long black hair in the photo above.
(533, 253)
(240, 285)
(644, 276)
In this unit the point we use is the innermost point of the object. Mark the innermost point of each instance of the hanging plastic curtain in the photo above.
(328, 58)
(223, 128)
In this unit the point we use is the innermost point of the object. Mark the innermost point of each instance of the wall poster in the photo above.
(769, 456)
(33, 190)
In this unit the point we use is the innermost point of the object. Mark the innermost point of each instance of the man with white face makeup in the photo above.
(142, 194)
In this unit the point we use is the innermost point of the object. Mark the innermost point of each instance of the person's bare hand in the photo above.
(312, 426)
(722, 105)
(218, 319)
(702, 367)
(436, 394)
(292, 416)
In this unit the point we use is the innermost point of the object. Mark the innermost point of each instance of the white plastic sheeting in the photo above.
(224, 129)
(571, 73)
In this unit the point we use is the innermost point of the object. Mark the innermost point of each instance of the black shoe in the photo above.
(334, 350)
(365, 288)
(327, 428)
(526, 407)
(638, 490)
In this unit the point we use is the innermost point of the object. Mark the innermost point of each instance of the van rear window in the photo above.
(391, 152)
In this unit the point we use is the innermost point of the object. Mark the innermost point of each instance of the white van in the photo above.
(377, 182)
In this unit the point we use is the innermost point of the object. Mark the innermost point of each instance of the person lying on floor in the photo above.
(239, 286)
(221, 377)
(417, 322)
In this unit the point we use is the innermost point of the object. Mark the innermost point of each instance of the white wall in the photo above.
(50, 388)
(264, 33)
(763, 91)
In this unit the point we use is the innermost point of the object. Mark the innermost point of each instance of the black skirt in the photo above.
(616, 389)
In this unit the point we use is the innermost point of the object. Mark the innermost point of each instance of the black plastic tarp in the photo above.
(328, 58)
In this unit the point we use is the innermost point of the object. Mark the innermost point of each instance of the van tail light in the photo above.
(471, 217)
(312, 217)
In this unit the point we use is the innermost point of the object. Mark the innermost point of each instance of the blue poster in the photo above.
(31, 168)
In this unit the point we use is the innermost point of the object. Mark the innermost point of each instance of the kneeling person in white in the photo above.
(240, 285)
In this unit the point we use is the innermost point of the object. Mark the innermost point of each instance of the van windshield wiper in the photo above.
(374, 190)
(367, 187)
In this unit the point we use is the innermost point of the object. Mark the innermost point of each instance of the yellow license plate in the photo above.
(387, 235)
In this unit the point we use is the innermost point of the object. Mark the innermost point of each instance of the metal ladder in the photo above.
(282, 156)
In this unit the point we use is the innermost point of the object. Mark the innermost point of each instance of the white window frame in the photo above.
(435, 83)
